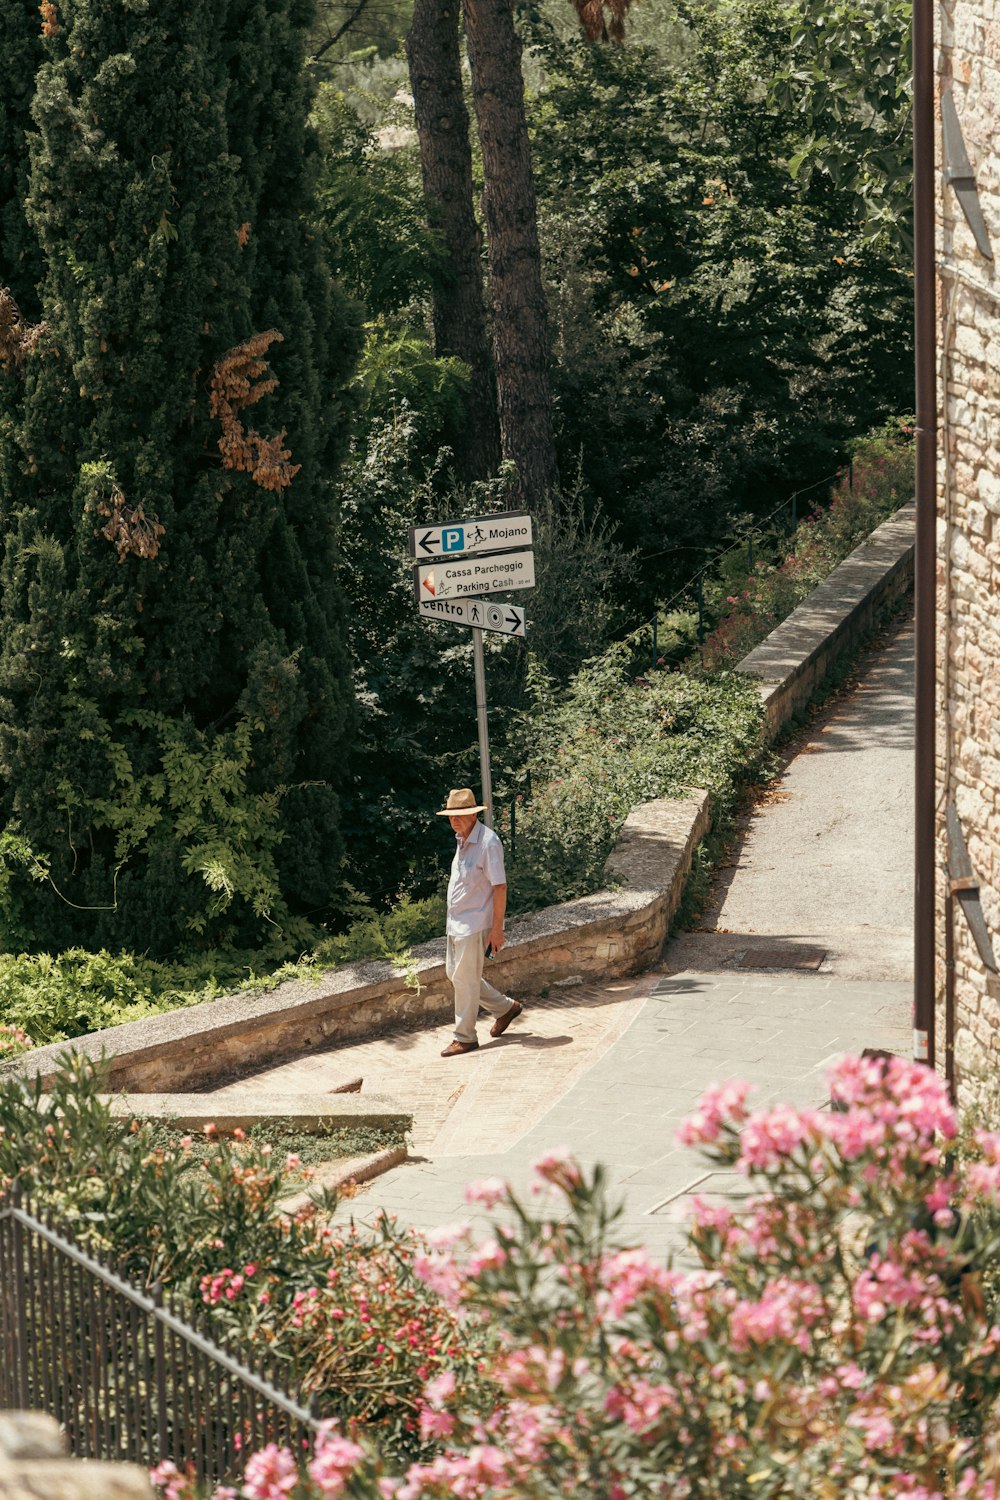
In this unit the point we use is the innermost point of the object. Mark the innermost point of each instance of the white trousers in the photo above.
(464, 967)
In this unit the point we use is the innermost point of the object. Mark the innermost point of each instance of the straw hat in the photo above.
(461, 800)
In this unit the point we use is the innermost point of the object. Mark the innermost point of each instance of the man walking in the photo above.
(477, 901)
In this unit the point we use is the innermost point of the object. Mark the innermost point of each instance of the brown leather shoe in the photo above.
(502, 1022)
(457, 1048)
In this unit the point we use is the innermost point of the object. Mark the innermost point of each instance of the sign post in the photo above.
(457, 562)
(485, 775)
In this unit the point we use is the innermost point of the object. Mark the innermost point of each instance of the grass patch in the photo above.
(335, 1143)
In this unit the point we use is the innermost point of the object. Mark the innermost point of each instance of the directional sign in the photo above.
(470, 577)
(484, 534)
(483, 613)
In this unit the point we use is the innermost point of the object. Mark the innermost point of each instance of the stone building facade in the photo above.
(967, 1019)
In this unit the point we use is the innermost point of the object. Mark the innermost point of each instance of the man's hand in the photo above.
(499, 912)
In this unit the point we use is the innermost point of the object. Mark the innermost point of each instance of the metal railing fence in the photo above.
(124, 1374)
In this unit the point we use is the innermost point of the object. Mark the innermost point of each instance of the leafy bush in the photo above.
(879, 482)
(341, 1316)
(52, 997)
(833, 1339)
(613, 741)
(721, 313)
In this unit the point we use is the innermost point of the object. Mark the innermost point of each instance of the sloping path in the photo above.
(824, 864)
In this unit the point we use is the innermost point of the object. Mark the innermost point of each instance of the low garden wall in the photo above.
(616, 931)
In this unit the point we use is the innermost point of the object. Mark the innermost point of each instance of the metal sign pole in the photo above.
(486, 791)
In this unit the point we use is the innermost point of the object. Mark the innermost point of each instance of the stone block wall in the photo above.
(35, 1465)
(968, 749)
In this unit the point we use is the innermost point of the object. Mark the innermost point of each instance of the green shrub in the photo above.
(614, 741)
(751, 605)
(52, 997)
(205, 1219)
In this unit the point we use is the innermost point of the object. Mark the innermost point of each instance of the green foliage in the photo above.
(207, 1223)
(332, 1143)
(613, 741)
(850, 79)
(748, 606)
(54, 997)
(20, 27)
(722, 325)
(398, 366)
(582, 574)
(370, 206)
(168, 629)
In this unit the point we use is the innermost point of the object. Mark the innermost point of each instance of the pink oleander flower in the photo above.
(168, 1477)
(532, 1371)
(445, 1236)
(721, 1104)
(435, 1424)
(786, 1310)
(336, 1459)
(770, 1137)
(442, 1274)
(640, 1404)
(270, 1474)
(437, 1392)
(464, 1475)
(628, 1275)
(489, 1256)
(558, 1168)
(13, 1039)
(489, 1191)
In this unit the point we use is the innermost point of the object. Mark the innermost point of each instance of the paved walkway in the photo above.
(824, 864)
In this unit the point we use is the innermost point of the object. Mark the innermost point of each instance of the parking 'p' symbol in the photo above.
(452, 539)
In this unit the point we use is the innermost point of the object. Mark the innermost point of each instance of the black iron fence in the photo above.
(124, 1374)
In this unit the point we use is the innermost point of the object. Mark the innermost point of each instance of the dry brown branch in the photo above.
(237, 383)
(603, 20)
(132, 532)
(17, 338)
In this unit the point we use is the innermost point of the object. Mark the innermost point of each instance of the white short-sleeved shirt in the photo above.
(475, 870)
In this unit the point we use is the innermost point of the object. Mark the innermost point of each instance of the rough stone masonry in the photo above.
(968, 656)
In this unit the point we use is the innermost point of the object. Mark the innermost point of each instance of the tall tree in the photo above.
(20, 56)
(175, 694)
(432, 49)
(517, 296)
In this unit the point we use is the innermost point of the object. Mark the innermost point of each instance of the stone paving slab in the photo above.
(625, 1109)
(466, 1105)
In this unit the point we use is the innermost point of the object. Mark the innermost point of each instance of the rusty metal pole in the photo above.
(925, 564)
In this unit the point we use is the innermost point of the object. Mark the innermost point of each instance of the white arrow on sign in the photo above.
(484, 534)
(469, 577)
(485, 614)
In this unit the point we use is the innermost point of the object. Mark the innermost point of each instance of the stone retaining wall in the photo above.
(35, 1465)
(614, 932)
(796, 657)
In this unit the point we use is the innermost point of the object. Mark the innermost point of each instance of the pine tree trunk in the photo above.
(517, 298)
(446, 163)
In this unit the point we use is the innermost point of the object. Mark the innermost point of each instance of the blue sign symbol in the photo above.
(453, 539)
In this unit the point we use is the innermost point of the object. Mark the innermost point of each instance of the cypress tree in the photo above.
(20, 55)
(174, 687)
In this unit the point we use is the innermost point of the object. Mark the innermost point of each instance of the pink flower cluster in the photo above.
(786, 1311)
(722, 1105)
(226, 1285)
